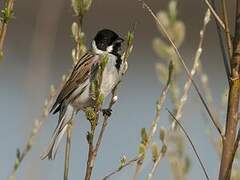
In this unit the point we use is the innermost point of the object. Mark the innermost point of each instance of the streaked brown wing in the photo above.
(86, 66)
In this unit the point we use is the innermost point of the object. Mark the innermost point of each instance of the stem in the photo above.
(3, 28)
(92, 152)
(154, 125)
(189, 139)
(105, 121)
(67, 151)
(90, 161)
(215, 15)
(37, 127)
(227, 31)
(164, 31)
(154, 168)
(221, 44)
(195, 67)
(228, 150)
(128, 163)
(138, 169)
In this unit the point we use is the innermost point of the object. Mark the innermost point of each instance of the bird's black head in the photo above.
(107, 41)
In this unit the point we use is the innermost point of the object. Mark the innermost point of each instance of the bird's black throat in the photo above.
(118, 61)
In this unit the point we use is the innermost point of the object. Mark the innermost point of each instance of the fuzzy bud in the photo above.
(115, 98)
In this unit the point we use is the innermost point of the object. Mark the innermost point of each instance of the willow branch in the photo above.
(189, 139)
(218, 19)
(228, 149)
(21, 154)
(154, 167)
(94, 121)
(222, 47)
(227, 31)
(7, 14)
(155, 121)
(184, 65)
(105, 121)
(196, 65)
(93, 150)
(128, 163)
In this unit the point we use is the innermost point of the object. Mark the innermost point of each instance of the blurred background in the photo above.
(38, 51)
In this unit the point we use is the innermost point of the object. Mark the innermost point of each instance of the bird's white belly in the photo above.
(110, 79)
(111, 76)
(82, 100)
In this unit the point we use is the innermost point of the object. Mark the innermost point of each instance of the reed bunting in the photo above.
(75, 94)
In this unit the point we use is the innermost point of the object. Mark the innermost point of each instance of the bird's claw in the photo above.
(107, 112)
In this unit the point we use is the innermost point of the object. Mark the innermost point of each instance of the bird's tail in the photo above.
(66, 115)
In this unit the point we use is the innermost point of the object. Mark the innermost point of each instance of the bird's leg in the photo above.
(107, 112)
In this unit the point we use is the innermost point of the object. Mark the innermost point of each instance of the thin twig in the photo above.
(154, 167)
(105, 121)
(7, 15)
(128, 163)
(67, 151)
(218, 19)
(222, 47)
(194, 68)
(185, 67)
(37, 127)
(89, 161)
(189, 139)
(227, 31)
(138, 169)
(154, 125)
(207, 92)
(92, 154)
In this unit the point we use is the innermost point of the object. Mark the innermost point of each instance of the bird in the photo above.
(75, 95)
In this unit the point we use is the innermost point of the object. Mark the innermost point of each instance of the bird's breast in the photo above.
(111, 77)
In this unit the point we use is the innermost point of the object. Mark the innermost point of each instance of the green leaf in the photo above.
(122, 162)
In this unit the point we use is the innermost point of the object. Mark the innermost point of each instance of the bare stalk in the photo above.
(228, 150)
(67, 151)
(189, 139)
(221, 44)
(227, 31)
(215, 15)
(155, 165)
(128, 163)
(89, 161)
(7, 14)
(184, 65)
(154, 125)
(92, 153)
(21, 154)
(196, 64)
(105, 122)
